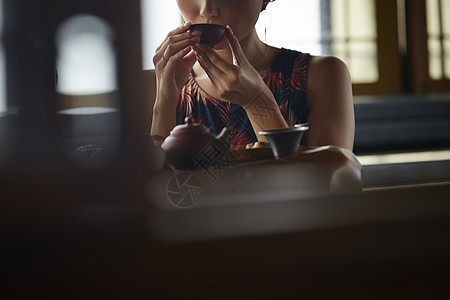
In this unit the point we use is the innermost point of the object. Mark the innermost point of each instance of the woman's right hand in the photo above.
(173, 62)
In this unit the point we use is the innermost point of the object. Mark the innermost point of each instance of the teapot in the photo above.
(194, 146)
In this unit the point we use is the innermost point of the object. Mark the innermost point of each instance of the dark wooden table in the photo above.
(380, 244)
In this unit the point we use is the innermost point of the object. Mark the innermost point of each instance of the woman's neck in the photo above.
(257, 53)
(253, 48)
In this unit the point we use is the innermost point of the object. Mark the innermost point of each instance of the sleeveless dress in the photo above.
(286, 78)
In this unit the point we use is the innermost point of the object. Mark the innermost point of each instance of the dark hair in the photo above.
(265, 2)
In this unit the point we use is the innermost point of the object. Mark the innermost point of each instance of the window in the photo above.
(429, 45)
(348, 29)
(364, 35)
(438, 29)
(354, 37)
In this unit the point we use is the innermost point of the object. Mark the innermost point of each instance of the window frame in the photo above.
(402, 71)
(389, 60)
(417, 36)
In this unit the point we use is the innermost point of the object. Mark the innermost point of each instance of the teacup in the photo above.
(212, 34)
(284, 141)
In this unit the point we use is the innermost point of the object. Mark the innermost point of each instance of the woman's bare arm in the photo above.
(161, 120)
(173, 62)
(150, 94)
(331, 119)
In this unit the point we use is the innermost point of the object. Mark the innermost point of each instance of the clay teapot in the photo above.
(191, 145)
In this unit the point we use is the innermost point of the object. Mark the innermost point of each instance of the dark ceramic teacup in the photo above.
(212, 34)
(284, 141)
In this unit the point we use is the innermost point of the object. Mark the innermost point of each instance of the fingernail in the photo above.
(187, 24)
(196, 33)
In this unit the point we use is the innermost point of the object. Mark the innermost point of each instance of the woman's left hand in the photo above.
(237, 82)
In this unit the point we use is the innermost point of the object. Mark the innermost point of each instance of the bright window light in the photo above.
(158, 18)
(86, 57)
(398, 158)
(284, 22)
(438, 29)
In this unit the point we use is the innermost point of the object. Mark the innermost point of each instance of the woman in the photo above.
(245, 84)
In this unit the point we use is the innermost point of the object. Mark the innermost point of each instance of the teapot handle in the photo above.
(224, 136)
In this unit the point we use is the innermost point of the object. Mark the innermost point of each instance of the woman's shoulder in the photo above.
(325, 70)
(327, 63)
(295, 57)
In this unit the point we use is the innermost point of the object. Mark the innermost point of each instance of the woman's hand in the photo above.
(241, 84)
(173, 62)
(236, 82)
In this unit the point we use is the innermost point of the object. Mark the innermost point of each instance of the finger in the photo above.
(216, 60)
(178, 38)
(175, 39)
(190, 58)
(161, 59)
(179, 55)
(235, 46)
(166, 52)
(209, 64)
(176, 47)
(177, 31)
